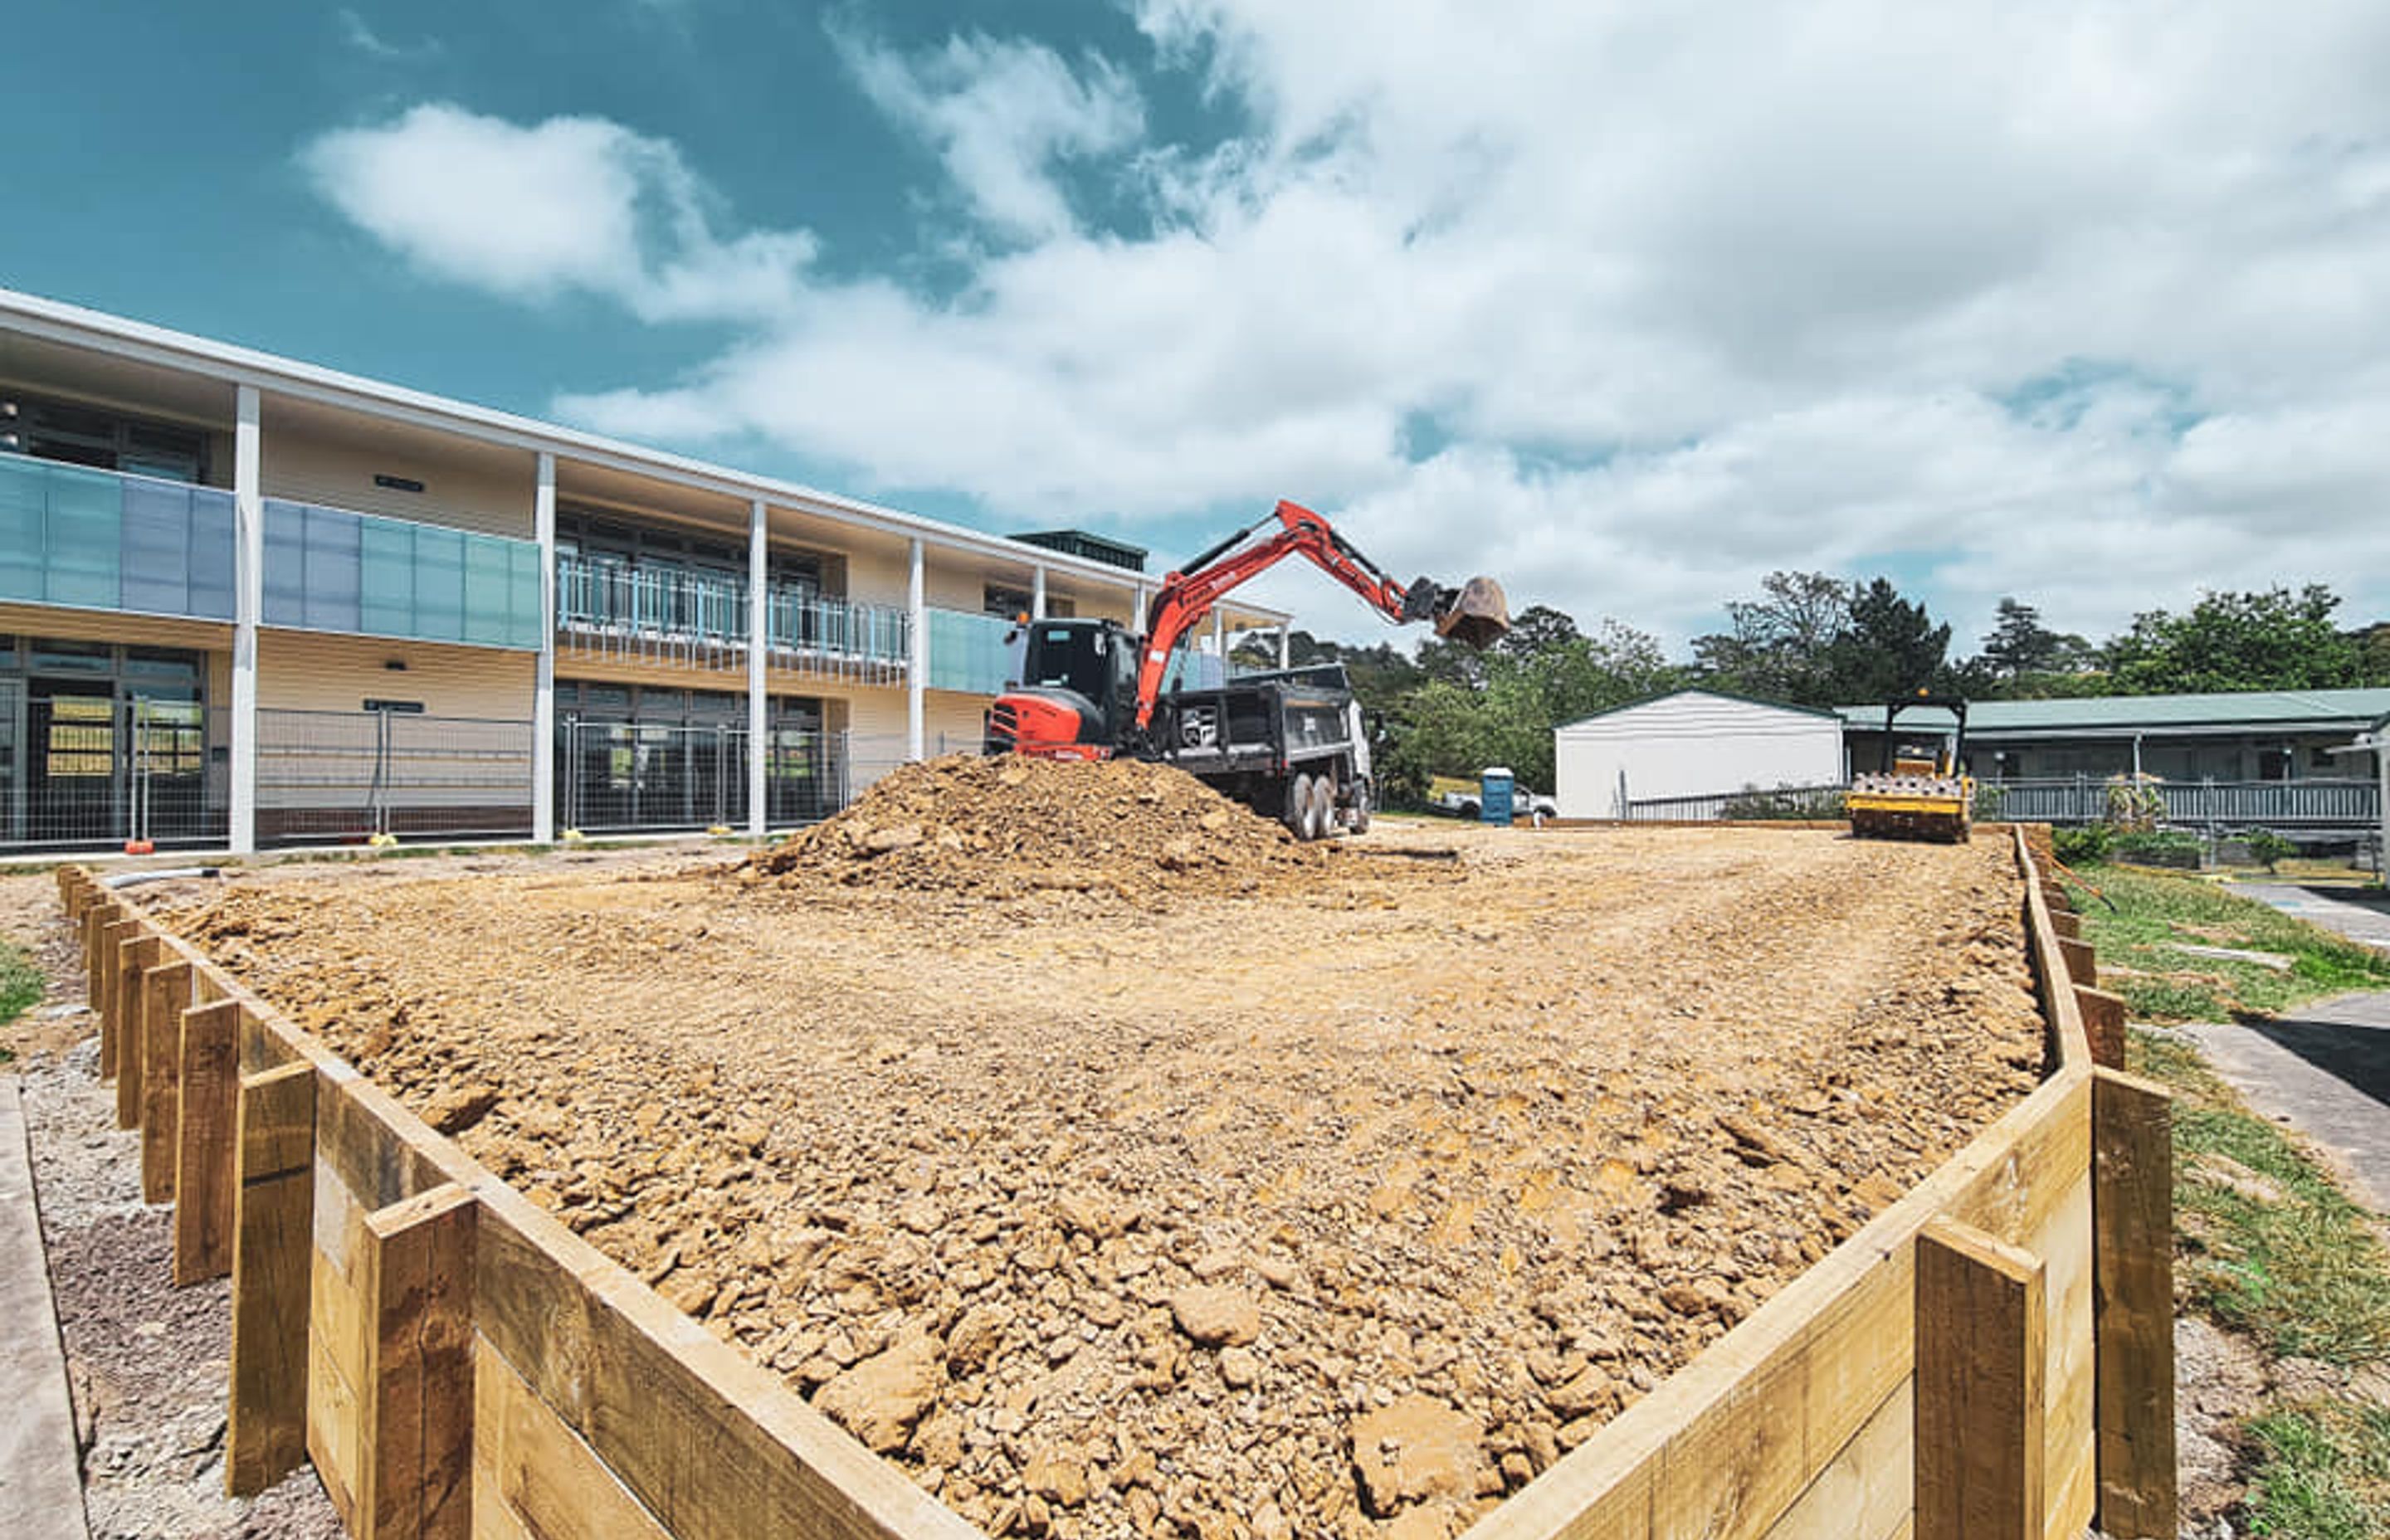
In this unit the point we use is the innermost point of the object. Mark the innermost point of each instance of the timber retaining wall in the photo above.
(1988, 1359)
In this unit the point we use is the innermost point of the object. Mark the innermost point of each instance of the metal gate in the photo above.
(616, 776)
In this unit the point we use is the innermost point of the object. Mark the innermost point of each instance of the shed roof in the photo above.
(2109, 715)
(1714, 695)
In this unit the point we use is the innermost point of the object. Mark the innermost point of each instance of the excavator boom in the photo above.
(1476, 614)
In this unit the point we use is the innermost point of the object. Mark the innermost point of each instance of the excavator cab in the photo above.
(1077, 696)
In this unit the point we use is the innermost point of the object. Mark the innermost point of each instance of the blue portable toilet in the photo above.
(1494, 785)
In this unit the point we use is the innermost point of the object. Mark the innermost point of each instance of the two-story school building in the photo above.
(246, 602)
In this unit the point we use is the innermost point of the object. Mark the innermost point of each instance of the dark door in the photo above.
(73, 766)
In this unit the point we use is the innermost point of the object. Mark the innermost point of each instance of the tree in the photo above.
(2273, 640)
(1779, 645)
(1538, 628)
(1890, 645)
(2019, 644)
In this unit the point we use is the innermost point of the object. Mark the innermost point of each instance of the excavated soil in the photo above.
(1340, 1210)
(1005, 827)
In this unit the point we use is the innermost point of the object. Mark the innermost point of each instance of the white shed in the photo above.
(1694, 743)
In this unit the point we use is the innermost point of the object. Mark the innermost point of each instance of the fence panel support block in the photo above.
(418, 1443)
(1982, 1328)
(2132, 1218)
(273, 1226)
(165, 989)
(205, 1132)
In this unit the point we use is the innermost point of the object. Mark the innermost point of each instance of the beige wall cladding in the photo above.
(340, 473)
(303, 670)
(954, 723)
(876, 577)
(91, 625)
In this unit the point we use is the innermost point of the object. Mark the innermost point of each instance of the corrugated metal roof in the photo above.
(2315, 710)
(1714, 695)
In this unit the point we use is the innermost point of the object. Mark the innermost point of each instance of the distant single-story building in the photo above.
(2244, 736)
(1690, 743)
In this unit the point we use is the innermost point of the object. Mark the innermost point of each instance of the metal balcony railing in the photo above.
(698, 620)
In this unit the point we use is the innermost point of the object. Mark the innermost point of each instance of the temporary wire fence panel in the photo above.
(347, 776)
(621, 778)
(93, 771)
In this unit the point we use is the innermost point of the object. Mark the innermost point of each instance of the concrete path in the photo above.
(2359, 916)
(40, 1479)
(2324, 1070)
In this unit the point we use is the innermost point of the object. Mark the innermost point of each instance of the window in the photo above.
(103, 438)
(998, 600)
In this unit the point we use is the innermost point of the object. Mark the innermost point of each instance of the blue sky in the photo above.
(1628, 307)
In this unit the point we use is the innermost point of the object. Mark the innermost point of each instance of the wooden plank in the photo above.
(416, 1451)
(94, 919)
(165, 994)
(2082, 963)
(273, 1221)
(531, 1307)
(338, 1356)
(532, 1475)
(1734, 1467)
(2103, 1020)
(1867, 1490)
(2063, 1244)
(2013, 1194)
(1981, 1316)
(114, 938)
(719, 1448)
(206, 1138)
(2068, 926)
(2132, 1123)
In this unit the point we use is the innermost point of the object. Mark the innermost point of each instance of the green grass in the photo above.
(2305, 1275)
(20, 983)
(2156, 914)
(2324, 1472)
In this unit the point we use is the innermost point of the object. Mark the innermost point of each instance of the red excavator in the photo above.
(1288, 742)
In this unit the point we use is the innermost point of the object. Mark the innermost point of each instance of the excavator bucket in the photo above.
(1479, 615)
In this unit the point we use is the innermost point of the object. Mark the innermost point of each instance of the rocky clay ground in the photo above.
(1123, 1169)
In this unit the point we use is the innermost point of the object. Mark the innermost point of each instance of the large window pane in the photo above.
(212, 554)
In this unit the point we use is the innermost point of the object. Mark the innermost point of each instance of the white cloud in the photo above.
(358, 34)
(1681, 294)
(999, 115)
(569, 204)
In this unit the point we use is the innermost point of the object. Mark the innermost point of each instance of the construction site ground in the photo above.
(1326, 1192)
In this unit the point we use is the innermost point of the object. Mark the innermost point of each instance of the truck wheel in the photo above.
(1298, 806)
(1323, 808)
(1360, 815)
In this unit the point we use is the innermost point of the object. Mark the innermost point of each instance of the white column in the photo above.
(543, 700)
(758, 639)
(248, 601)
(1285, 645)
(1037, 594)
(1220, 639)
(917, 677)
(1137, 611)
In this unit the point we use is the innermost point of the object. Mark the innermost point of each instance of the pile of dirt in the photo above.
(1008, 827)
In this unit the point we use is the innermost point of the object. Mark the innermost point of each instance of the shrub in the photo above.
(2267, 848)
(1783, 802)
(2135, 803)
(2079, 846)
(2167, 847)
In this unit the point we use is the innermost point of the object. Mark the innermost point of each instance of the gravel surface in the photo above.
(148, 1362)
(1120, 1206)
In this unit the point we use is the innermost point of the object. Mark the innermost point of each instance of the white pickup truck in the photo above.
(1524, 805)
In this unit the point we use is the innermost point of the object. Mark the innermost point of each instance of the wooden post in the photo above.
(165, 990)
(274, 1208)
(206, 1136)
(107, 940)
(2132, 1222)
(125, 1004)
(1981, 1349)
(2082, 964)
(418, 1443)
(2104, 1022)
(2069, 927)
(93, 919)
